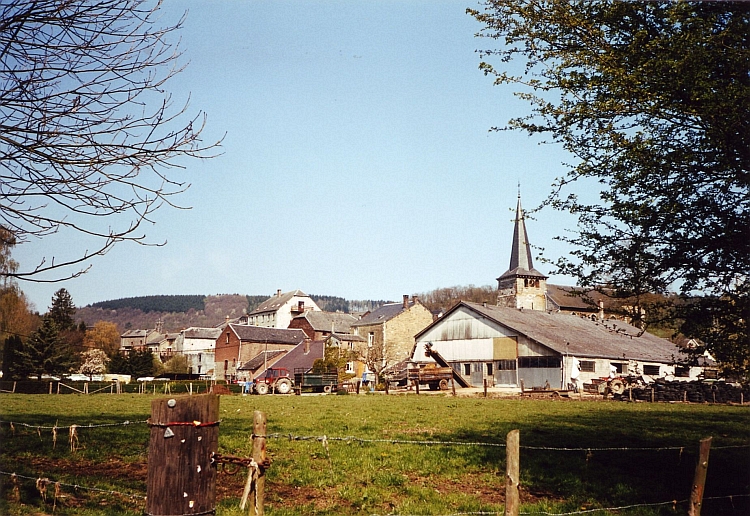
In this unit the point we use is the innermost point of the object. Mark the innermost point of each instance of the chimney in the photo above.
(406, 301)
(278, 292)
(414, 299)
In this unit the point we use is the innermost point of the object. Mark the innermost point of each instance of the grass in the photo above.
(367, 477)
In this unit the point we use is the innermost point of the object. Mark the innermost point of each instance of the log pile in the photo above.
(693, 392)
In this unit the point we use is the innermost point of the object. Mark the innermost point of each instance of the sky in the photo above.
(357, 160)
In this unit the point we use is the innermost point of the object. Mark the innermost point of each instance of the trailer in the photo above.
(317, 382)
(438, 375)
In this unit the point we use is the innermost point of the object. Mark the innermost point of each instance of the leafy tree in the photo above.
(334, 359)
(89, 129)
(653, 102)
(104, 336)
(45, 352)
(62, 310)
(93, 361)
(177, 364)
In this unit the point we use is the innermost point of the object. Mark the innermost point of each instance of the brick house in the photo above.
(389, 332)
(238, 343)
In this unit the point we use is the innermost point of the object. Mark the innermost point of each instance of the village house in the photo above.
(355, 346)
(528, 340)
(279, 310)
(138, 340)
(389, 331)
(198, 347)
(319, 325)
(239, 343)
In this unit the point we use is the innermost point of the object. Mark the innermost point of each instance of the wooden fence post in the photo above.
(699, 481)
(184, 435)
(484, 382)
(512, 473)
(259, 456)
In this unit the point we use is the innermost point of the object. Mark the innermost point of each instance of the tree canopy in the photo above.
(89, 130)
(652, 99)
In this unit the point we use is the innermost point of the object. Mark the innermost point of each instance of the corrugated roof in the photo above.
(580, 336)
(270, 335)
(261, 358)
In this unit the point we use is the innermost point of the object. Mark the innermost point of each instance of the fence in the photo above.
(188, 421)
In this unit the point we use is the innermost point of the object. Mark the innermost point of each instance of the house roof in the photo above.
(520, 254)
(270, 335)
(261, 358)
(572, 298)
(576, 335)
(297, 358)
(382, 314)
(348, 337)
(323, 321)
(202, 333)
(133, 334)
(273, 303)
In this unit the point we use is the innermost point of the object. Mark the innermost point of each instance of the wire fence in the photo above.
(42, 482)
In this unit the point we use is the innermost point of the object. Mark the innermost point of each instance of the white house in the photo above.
(279, 310)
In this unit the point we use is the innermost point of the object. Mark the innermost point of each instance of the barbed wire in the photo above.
(91, 425)
(326, 438)
(76, 486)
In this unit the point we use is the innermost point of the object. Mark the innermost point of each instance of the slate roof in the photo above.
(296, 358)
(379, 315)
(202, 333)
(270, 335)
(579, 336)
(348, 337)
(130, 334)
(520, 254)
(273, 303)
(322, 321)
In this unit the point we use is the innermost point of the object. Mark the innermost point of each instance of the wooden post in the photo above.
(652, 394)
(416, 385)
(699, 481)
(453, 386)
(484, 381)
(259, 456)
(512, 473)
(58, 388)
(184, 434)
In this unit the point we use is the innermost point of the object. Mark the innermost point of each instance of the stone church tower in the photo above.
(521, 286)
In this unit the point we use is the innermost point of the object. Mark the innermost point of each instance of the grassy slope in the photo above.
(381, 478)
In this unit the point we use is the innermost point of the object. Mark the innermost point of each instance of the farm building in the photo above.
(507, 346)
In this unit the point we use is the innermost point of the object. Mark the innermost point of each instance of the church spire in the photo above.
(521, 286)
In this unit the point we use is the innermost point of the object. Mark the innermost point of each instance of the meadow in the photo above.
(415, 455)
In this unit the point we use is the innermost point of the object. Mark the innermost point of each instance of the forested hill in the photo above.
(176, 312)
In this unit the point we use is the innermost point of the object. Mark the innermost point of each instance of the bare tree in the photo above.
(87, 130)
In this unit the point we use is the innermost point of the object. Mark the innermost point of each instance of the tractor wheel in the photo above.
(283, 386)
(262, 388)
(327, 389)
(443, 385)
(617, 386)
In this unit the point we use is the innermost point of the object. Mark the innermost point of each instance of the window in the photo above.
(350, 367)
(539, 362)
(370, 339)
(651, 370)
(226, 365)
(467, 369)
(199, 369)
(505, 365)
(618, 367)
(489, 368)
(682, 371)
(199, 357)
(588, 366)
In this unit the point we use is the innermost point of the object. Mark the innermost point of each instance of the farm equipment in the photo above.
(318, 382)
(275, 379)
(617, 385)
(437, 376)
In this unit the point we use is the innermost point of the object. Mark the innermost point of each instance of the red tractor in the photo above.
(274, 379)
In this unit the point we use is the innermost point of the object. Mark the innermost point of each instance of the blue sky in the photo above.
(357, 162)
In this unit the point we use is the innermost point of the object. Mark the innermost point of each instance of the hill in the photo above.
(177, 312)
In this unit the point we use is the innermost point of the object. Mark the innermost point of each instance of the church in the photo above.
(536, 335)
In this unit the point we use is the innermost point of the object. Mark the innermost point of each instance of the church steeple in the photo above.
(521, 286)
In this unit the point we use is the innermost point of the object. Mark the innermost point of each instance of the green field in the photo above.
(605, 463)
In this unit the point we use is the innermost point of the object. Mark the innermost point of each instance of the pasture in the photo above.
(398, 454)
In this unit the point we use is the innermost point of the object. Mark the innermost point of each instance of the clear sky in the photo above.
(358, 160)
